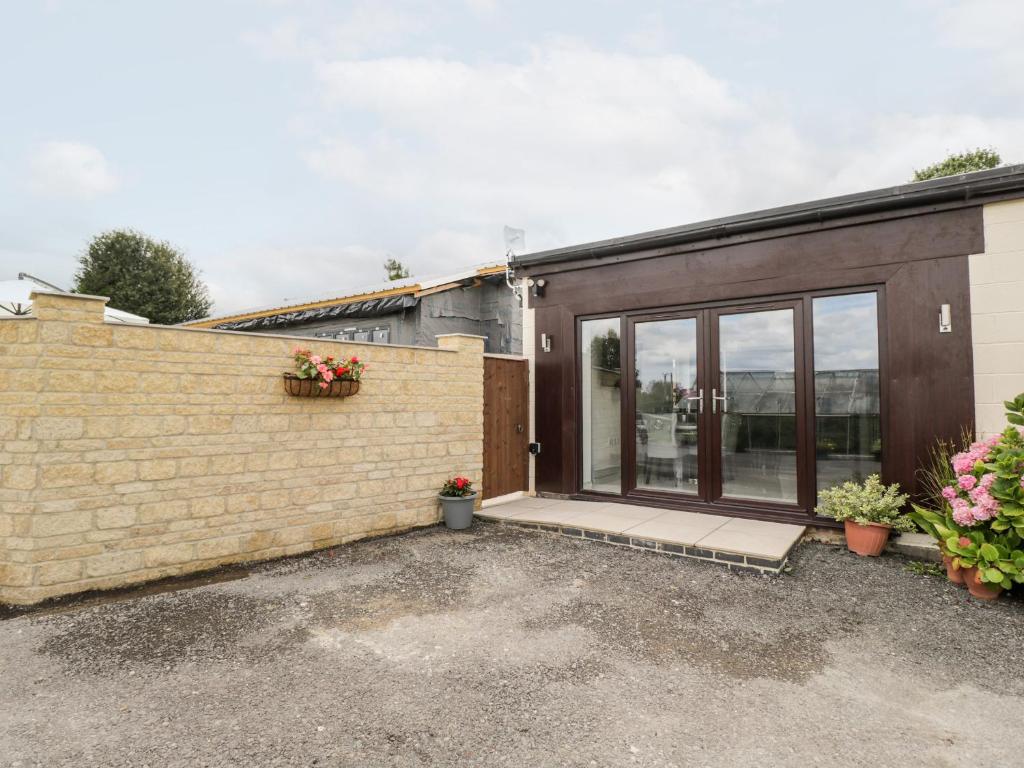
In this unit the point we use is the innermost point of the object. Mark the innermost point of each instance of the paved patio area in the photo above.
(732, 541)
(510, 647)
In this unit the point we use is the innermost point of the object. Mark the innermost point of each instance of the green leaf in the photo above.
(992, 575)
(1015, 418)
(989, 552)
(1001, 525)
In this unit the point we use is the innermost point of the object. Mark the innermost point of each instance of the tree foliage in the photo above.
(396, 270)
(963, 162)
(142, 276)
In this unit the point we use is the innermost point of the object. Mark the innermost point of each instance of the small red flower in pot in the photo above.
(457, 500)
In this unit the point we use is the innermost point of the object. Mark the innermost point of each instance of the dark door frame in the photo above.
(630, 488)
(709, 499)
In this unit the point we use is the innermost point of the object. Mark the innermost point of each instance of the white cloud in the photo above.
(993, 28)
(259, 276)
(69, 169)
(366, 28)
(248, 278)
(982, 24)
(576, 143)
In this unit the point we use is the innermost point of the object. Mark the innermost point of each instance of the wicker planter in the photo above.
(297, 387)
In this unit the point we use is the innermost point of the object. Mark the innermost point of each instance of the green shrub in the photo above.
(864, 503)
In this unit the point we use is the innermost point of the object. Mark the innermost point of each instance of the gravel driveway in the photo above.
(503, 646)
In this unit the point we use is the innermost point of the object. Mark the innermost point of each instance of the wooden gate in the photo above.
(506, 426)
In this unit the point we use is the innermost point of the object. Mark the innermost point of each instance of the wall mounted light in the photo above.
(537, 286)
(945, 319)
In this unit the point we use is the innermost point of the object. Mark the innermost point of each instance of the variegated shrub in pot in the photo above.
(868, 511)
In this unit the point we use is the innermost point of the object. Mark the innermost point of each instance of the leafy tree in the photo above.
(142, 276)
(604, 351)
(964, 162)
(396, 270)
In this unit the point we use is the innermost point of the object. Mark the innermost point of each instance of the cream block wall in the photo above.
(997, 314)
(130, 453)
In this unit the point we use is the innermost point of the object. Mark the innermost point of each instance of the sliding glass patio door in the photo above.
(735, 407)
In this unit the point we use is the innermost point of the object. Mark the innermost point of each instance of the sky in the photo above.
(289, 147)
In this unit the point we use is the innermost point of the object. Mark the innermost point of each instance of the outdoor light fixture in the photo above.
(945, 319)
(545, 342)
(538, 286)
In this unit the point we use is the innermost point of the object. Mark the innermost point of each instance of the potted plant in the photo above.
(869, 511)
(457, 500)
(317, 376)
(941, 527)
(990, 562)
(981, 527)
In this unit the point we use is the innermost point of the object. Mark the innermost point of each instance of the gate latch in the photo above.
(534, 448)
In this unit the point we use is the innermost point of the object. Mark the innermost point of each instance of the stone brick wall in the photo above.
(131, 453)
(997, 314)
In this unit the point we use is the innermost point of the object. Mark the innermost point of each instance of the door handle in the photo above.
(700, 401)
(715, 397)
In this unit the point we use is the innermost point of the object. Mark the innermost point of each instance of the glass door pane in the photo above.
(601, 395)
(668, 404)
(848, 434)
(756, 402)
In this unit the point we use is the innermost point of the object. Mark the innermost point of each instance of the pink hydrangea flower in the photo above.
(963, 463)
(987, 480)
(315, 360)
(949, 493)
(967, 481)
(985, 511)
(962, 515)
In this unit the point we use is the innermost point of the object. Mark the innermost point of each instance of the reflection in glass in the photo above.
(757, 378)
(601, 396)
(667, 404)
(848, 438)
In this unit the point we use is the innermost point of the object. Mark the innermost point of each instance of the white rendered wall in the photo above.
(997, 314)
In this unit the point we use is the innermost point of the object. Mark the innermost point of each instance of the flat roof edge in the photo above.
(965, 187)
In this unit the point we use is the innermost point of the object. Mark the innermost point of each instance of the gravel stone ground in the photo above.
(508, 647)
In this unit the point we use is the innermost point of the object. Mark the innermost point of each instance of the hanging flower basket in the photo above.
(323, 376)
(297, 387)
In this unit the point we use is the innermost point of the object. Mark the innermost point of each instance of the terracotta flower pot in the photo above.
(954, 574)
(866, 540)
(979, 588)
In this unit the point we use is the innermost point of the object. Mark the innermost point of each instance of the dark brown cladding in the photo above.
(919, 260)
